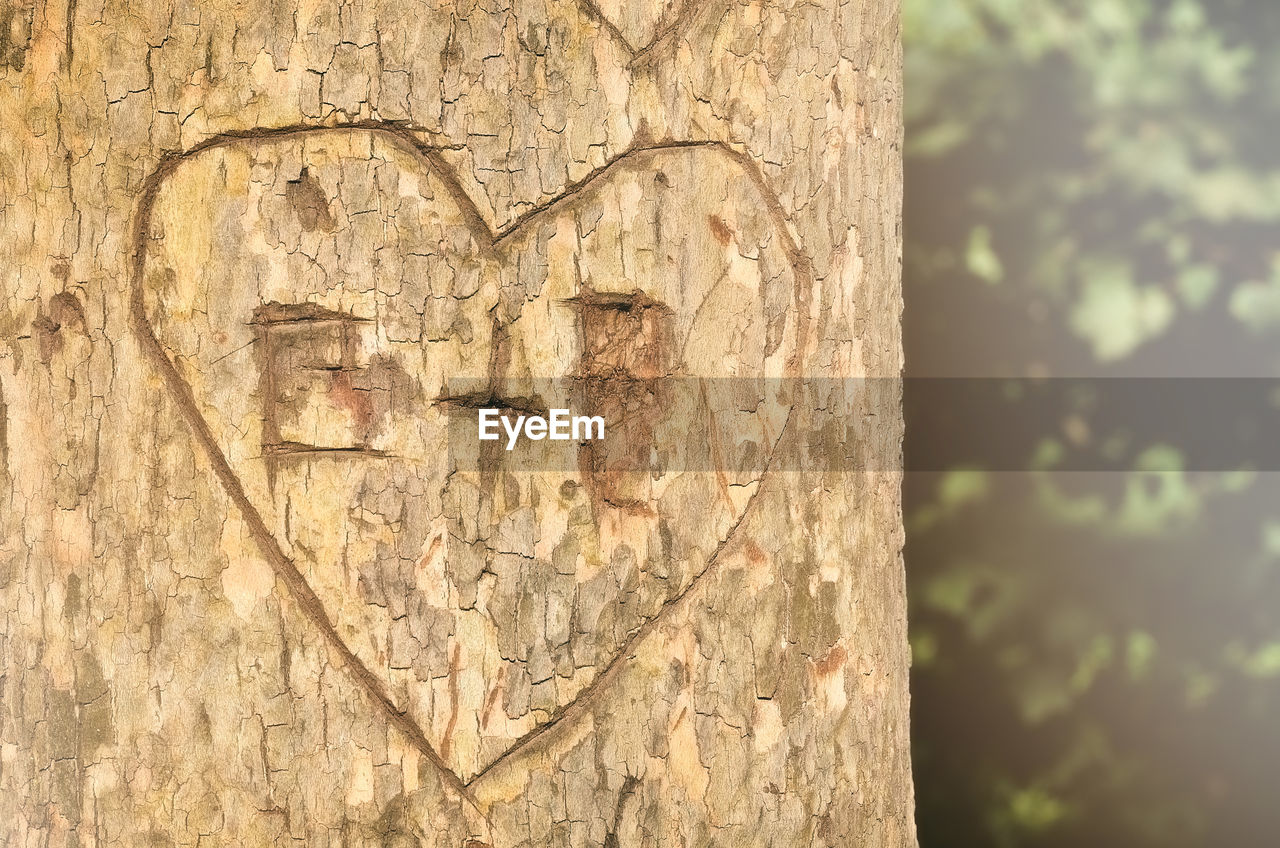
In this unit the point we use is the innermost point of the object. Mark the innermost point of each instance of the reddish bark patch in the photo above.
(720, 230)
(831, 663)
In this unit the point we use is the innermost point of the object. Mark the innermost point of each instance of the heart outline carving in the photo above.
(639, 48)
(281, 564)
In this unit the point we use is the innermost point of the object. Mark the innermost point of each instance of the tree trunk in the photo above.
(263, 261)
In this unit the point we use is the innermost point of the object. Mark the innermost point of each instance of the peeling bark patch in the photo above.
(831, 663)
(310, 203)
(720, 230)
(64, 311)
(16, 18)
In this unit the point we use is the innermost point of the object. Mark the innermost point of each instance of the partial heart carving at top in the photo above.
(285, 213)
(638, 25)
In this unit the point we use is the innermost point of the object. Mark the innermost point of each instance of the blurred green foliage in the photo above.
(1093, 189)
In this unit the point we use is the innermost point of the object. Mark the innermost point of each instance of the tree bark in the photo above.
(253, 589)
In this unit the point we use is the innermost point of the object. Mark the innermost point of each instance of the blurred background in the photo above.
(1093, 190)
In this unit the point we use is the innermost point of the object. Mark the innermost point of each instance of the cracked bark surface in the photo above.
(251, 596)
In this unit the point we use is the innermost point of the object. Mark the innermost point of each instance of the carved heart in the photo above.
(311, 295)
(638, 24)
